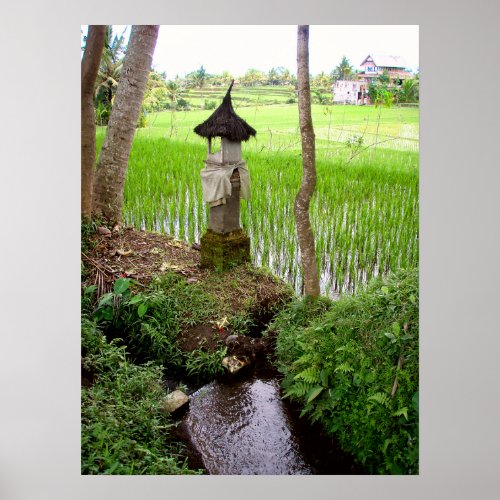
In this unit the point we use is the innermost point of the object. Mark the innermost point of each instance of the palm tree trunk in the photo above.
(303, 198)
(113, 161)
(90, 66)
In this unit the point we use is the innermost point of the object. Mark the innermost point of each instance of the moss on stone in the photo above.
(224, 251)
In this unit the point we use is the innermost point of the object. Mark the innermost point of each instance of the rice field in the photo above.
(364, 212)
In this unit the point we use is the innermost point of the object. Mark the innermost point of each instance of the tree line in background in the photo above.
(162, 93)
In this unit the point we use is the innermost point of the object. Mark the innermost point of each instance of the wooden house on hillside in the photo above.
(395, 67)
(356, 91)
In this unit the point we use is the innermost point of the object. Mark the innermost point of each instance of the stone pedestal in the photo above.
(224, 251)
(225, 244)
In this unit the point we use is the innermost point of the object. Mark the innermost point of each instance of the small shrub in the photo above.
(204, 365)
(183, 104)
(209, 104)
(99, 355)
(142, 122)
(241, 323)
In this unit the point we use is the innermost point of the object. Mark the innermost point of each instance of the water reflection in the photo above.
(244, 428)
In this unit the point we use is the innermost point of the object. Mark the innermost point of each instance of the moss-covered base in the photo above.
(224, 251)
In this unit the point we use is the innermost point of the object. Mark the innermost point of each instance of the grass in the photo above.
(364, 213)
(277, 125)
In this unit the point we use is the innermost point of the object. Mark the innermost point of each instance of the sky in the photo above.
(181, 49)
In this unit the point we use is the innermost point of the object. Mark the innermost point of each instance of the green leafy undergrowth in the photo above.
(354, 368)
(124, 430)
(149, 320)
(204, 365)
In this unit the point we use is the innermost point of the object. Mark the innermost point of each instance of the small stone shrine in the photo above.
(225, 179)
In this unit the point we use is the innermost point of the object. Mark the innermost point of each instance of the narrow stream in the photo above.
(242, 426)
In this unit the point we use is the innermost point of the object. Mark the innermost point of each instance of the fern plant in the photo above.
(354, 369)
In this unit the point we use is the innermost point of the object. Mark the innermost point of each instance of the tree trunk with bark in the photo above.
(113, 160)
(90, 66)
(303, 198)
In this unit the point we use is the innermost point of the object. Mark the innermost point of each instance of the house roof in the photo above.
(224, 122)
(386, 61)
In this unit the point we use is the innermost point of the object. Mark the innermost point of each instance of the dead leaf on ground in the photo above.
(168, 265)
(175, 243)
(124, 253)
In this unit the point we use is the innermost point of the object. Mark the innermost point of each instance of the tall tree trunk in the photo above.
(303, 199)
(90, 66)
(113, 160)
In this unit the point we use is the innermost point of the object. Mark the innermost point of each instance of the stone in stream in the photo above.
(232, 364)
(174, 401)
(231, 339)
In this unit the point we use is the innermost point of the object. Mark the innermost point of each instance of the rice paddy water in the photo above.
(364, 212)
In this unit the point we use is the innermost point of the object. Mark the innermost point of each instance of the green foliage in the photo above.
(409, 91)
(124, 430)
(205, 365)
(384, 78)
(108, 76)
(354, 368)
(320, 97)
(241, 323)
(99, 355)
(102, 113)
(149, 321)
(343, 71)
(183, 104)
(355, 143)
(290, 322)
(142, 121)
(209, 104)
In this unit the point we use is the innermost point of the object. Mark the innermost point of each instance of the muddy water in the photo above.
(243, 427)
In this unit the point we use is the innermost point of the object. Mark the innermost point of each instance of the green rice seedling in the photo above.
(364, 213)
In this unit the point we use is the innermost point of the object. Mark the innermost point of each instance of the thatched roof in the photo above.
(224, 122)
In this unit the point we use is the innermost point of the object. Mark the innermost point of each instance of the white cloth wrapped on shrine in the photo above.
(216, 185)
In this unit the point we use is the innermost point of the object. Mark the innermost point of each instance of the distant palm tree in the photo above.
(322, 80)
(111, 67)
(253, 76)
(343, 71)
(273, 77)
(173, 90)
(286, 77)
(409, 90)
(198, 78)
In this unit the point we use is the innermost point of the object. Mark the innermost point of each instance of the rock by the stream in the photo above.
(174, 401)
(232, 364)
(231, 339)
